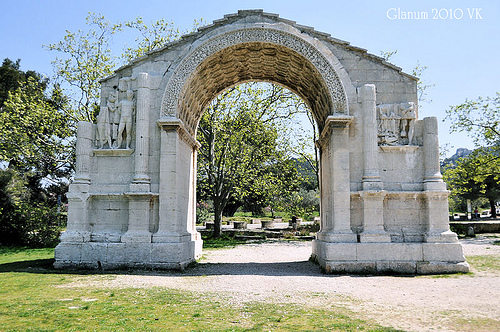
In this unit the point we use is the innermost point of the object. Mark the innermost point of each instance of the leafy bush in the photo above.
(24, 221)
(202, 212)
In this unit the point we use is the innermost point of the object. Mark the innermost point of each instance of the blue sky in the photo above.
(462, 54)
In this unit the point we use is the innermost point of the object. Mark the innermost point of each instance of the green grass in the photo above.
(38, 298)
(224, 241)
(486, 263)
(477, 324)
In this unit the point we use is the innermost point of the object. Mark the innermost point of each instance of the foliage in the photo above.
(475, 176)
(202, 212)
(87, 59)
(479, 174)
(87, 56)
(479, 119)
(36, 148)
(35, 134)
(26, 219)
(387, 55)
(153, 36)
(11, 78)
(422, 86)
(240, 155)
(308, 174)
(304, 203)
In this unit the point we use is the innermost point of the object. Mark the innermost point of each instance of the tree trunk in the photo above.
(493, 208)
(218, 208)
(218, 224)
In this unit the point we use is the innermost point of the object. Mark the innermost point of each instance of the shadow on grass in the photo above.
(35, 265)
(304, 268)
(273, 269)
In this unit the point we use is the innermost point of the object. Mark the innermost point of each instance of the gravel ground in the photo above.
(280, 272)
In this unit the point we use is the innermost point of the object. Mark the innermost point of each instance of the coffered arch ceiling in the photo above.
(254, 54)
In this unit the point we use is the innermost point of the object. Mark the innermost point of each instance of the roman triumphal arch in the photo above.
(384, 205)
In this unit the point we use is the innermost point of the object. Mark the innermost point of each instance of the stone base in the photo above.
(389, 258)
(136, 237)
(374, 237)
(110, 256)
(328, 237)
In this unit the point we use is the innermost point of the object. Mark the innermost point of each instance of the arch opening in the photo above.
(254, 61)
(273, 126)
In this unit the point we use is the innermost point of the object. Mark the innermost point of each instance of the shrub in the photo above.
(25, 222)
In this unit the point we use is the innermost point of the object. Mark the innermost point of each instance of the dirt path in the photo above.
(281, 272)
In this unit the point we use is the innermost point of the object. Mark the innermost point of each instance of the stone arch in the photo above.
(262, 54)
(383, 202)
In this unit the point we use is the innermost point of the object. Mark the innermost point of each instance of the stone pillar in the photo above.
(83, 152)
(433, 180)
(141, 180)
(373, 217)
(138, 218)
(176, 240)
(78, 229)
(192, 194)
(437, 218)
(371, 177)
(169, 227)
(140, 195)
(336, 204)
(177, 183)
(435, 188)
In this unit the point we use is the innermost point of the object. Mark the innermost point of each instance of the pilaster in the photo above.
(177, 183)
(437, 218)
(78, 229)
(138, 218)
(433, 180)
(373, 217)
(83, 152)
(371, 177)
(141, 181)
(335, 191)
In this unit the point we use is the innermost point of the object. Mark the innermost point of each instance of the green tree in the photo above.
(240, 155)
(11, 78)
(35, 134)
(476, 176)
(36, 156)
(480, 120)
(152, 37)
(87, 56)
(26, 219)
(87, 59)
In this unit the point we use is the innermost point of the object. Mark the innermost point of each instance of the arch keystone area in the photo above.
(384, 206)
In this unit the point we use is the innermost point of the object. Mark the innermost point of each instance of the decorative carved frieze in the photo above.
(248, 35)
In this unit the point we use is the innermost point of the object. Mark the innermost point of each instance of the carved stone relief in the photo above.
(115, 119)
(396, 123)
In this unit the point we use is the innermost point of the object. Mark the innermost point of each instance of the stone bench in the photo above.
(267, 223)
(240, 225)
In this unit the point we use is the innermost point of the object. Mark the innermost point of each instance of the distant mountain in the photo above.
(461, 152)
